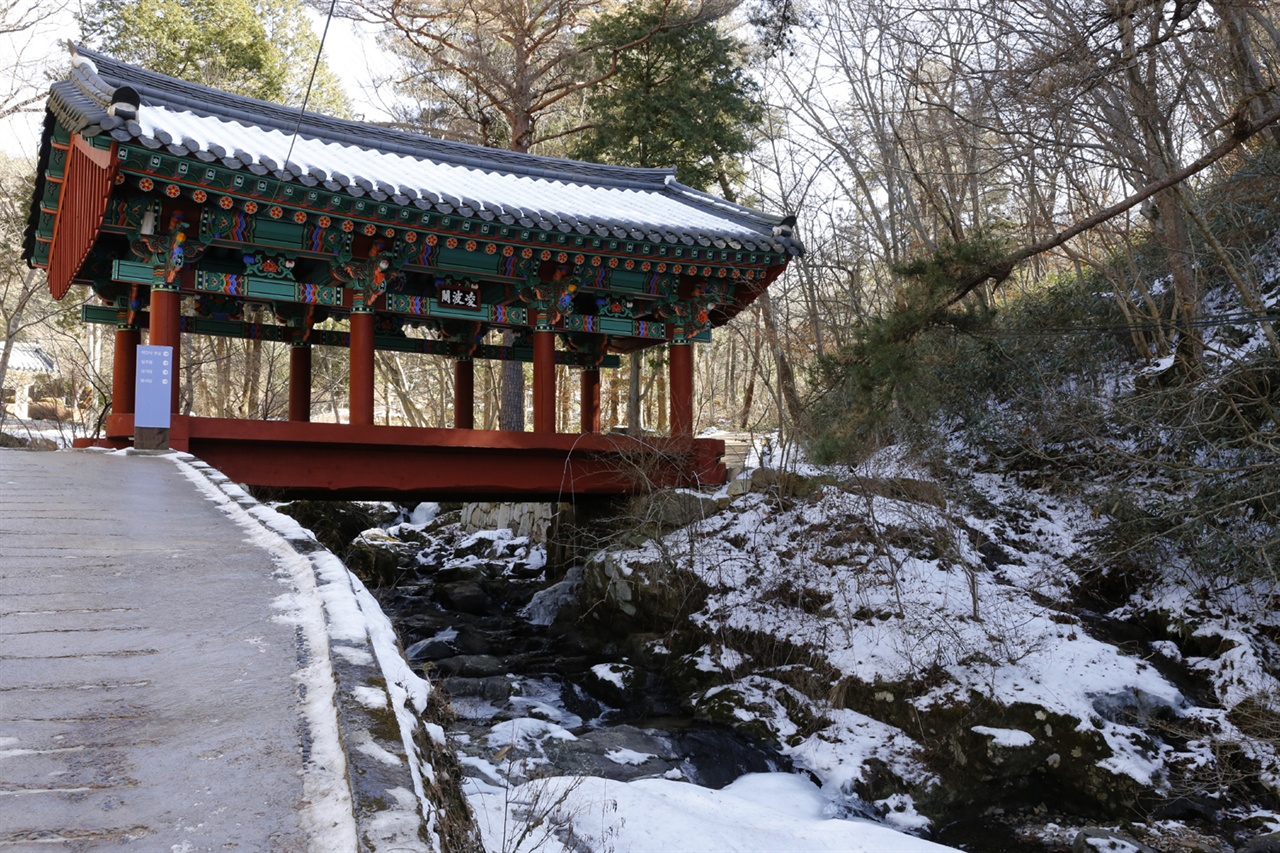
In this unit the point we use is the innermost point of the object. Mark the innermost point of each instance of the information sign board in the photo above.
(154, 387)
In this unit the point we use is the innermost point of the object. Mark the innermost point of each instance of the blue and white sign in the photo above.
(154, 387)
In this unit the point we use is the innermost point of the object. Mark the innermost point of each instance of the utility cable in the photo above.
(306, 98)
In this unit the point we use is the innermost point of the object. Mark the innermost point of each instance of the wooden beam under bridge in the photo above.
(353, 462)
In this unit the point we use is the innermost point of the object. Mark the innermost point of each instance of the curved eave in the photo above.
(747, 293)
(42, 165)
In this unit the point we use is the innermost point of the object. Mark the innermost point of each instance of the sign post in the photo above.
(154, 398)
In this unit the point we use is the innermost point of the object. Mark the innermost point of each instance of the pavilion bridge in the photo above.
(181, 206)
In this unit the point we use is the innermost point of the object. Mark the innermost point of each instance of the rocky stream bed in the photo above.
(609, 663)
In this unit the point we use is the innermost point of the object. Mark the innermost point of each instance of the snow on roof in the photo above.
(359, 159)
(30, 358)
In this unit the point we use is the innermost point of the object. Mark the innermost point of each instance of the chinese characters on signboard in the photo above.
(460, 297)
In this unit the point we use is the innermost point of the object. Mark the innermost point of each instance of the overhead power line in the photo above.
(306, 98)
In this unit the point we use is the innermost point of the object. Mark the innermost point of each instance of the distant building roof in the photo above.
(30, 358)
(131, 104)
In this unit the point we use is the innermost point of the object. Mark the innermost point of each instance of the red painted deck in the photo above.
(318, 460)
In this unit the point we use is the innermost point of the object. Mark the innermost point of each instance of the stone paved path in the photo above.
(146, 698)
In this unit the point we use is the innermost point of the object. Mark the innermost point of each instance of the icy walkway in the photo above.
(166, 676)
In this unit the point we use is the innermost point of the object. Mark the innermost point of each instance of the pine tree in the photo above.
(260, 48)
(680, 98)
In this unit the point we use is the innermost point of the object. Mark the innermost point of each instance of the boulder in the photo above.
(429, 650)
(740, 486)
(492, 688)
(671, 509)
(1269, 843)
(620, 753)
(614, 683)
(471, 666)
(7, 440)
(376, 566)
(786, 483)
(465, 596)
(1093, 839)
(606, 581)
(898, 488)
(337, 523)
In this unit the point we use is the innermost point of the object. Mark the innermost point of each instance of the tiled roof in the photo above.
(383, 164)
(30, 358)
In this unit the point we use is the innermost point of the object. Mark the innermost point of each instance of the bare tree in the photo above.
(505, 73)
(24, 302)
(1042, 120)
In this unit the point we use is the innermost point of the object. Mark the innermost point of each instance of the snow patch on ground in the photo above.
(758, 813)
(628, 756)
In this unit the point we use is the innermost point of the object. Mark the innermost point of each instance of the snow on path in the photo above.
(335, 613)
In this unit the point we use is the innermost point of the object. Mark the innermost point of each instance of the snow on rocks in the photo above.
(1008, 738)
(893, 635)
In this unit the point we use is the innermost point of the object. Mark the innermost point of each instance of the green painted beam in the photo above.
(133, 272)
(106, 314)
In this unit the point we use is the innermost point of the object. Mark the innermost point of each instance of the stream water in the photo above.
(534, 699)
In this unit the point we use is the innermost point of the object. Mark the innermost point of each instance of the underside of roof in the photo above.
(134, 106)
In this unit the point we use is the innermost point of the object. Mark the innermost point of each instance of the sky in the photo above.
(351, 50)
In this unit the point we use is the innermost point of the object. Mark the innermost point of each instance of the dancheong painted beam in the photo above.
(189, 211)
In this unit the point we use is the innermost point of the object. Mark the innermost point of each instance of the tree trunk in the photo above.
(13, 322)
(5, 352)
(611, 418)
(744, 420)
(786, 376)
(398, 384)
(1142, 78)
(222, 368)
(633, 395)
(659, 382)
(253, 370)
(492, 395)
(1249, 75)
(201, 392)
(511, 395)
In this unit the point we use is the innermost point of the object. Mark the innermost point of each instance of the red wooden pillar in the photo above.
(590, 399)
(124, 370)
(544, 376)
(165, 331)
(681, 383)
(361, 379)
(464, 393)
(300, 382)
